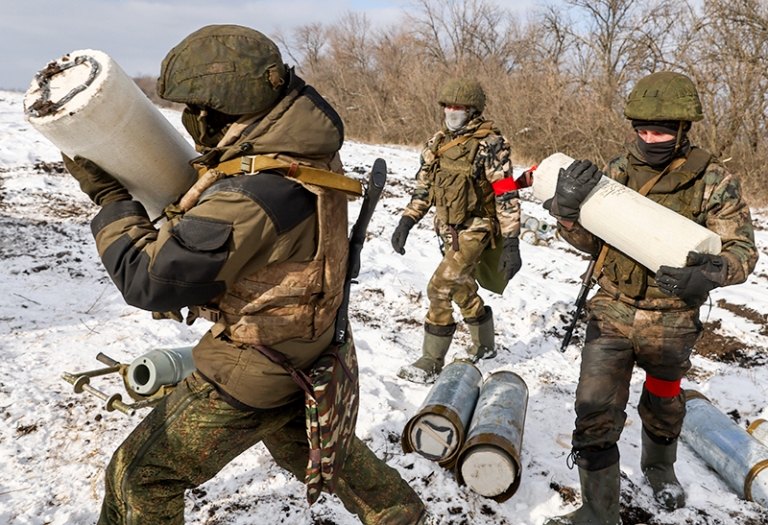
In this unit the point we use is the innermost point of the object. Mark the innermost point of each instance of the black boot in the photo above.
(657, 462)
(600, 490)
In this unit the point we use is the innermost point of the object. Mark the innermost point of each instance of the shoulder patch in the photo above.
(286, 202)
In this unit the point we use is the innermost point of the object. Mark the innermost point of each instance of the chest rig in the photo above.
(456, 191)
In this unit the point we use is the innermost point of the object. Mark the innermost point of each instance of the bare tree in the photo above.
(555, 82)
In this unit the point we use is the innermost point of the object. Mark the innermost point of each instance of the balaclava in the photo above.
(455, 119)
(659, 154)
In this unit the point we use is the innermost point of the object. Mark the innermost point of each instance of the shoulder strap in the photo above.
(306, 174)
(672, 166)
(485, 129)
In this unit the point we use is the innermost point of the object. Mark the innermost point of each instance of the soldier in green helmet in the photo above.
(645, 318)
(466, 174)
(261, 254)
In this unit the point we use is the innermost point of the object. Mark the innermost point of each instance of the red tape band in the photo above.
(661, 388)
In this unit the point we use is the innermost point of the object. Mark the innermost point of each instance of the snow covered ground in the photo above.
(59, 309)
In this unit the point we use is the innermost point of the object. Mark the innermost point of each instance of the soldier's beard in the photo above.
(455, 118)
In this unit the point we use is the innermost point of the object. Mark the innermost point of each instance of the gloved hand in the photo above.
(573, 185)
(171, 314)
(702, 273)
(510, 262)
(100, 186)
(401, 234)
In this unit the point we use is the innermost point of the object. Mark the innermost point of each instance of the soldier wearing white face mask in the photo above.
(466, 174)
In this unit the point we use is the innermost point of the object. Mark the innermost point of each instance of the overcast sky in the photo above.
(138, 33)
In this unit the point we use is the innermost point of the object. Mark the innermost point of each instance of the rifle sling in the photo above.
(299, 376)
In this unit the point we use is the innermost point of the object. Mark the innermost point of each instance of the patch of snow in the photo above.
(60, 309)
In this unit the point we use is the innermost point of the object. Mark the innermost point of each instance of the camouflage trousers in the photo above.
(192, 434)
(454, 279)
(618, 337)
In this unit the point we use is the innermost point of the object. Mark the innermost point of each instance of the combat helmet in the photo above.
(463, 92)
(664, 96)
(232, 69)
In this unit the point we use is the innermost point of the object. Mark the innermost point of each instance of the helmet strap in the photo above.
(679, 136)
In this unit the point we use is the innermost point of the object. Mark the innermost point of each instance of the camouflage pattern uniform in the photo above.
(193, 433)
(641, 317)
(632, 321)
(454, 278)
(262, 255)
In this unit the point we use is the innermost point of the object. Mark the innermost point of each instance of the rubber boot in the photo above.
(481, 330)
(657, 461)
(600, 490)
(437, 339)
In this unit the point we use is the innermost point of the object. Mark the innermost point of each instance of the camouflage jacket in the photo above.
(266, 252)
(711, 197)
(491, 163)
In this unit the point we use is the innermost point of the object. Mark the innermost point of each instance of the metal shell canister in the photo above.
(759, 430)
(164, 366)
(438, 429)
(489, 462)
(739, 458)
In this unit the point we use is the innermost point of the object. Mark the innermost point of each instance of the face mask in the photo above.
(206, 129)
(657, 154)
(455, 119)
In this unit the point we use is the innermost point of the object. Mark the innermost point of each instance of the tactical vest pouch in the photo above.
(630, 277)
(452, 196)
(331, 402)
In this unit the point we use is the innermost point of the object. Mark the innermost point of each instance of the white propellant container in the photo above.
(646, 231)
(86, 105)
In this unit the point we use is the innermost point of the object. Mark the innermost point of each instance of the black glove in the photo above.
(401, 234)
(702, 273)
(573, 185)
(100, 186)
(510, 262)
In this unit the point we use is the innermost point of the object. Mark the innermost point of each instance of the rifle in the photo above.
(376, 181)
(581, 300)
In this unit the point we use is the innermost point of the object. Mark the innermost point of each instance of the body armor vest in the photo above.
(681, 190)
(293, 300)
(456, 193)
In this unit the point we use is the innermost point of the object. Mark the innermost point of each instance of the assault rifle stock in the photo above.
(376, 181)
(581, 300)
